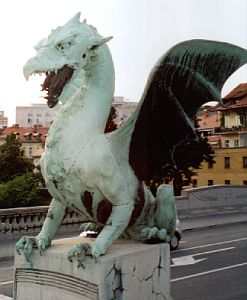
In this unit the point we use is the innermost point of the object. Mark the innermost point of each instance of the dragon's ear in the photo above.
(98, 41)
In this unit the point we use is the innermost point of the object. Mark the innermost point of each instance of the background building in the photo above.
(124, 108)
(33, 122)
(3, 119)
(36, 114)
(226, 129)
(42, 115)
(32, 139)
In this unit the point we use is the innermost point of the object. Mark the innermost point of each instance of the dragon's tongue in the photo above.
(47, 81)
(54, 84)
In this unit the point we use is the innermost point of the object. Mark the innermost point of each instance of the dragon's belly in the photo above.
(66, 181)
(82, 179)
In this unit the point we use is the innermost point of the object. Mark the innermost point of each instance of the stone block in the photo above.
(128, 271)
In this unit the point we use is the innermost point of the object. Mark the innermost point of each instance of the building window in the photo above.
(236, 143)
(245, 182)
(29, 121)
(226, 143)
(227, 162)
(210, 165)
(245, 162)
(194, 183)
(245, 142)
(210, 182)
(227, 181)
(30, 151)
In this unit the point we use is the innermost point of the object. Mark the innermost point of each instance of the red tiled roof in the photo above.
(237, 98)
(239, 91)
(26, 134)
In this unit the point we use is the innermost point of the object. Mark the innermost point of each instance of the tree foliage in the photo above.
(19, 185)
(188, 156)
(12, 159)
(23, 190)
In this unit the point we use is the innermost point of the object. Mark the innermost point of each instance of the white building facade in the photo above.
(36, 114)
(124, 108)
(42, 115)
(3, 120)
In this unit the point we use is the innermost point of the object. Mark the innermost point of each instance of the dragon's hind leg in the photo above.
(154, 233)
(165, 216)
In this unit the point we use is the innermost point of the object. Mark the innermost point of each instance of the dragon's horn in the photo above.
(75, 18)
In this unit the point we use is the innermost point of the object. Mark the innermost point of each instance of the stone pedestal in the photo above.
(129, 271)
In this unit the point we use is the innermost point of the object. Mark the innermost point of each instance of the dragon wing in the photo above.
(188, 75)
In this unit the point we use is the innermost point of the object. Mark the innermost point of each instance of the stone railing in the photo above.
(27, 218)
(212, 199)
(193, 202)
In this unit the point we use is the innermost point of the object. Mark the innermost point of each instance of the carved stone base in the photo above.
(129, 271)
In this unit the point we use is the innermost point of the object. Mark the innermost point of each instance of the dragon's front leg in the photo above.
(117, 222)
(113, 187)
(51, 225)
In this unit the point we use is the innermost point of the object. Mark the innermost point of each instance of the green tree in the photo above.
(23, 190)
(12, 159)
(188, 157)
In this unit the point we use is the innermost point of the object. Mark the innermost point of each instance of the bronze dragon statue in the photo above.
(101, 176)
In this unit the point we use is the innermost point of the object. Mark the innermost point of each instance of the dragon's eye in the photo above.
(63, 46)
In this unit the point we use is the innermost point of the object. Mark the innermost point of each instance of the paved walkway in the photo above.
(195, 223)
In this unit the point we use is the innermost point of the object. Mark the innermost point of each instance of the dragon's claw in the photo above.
(79, 251)
(162, 234)
(82, 250)
(148, 233)
(27, 243)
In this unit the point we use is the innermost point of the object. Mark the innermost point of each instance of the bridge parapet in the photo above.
(26, 218)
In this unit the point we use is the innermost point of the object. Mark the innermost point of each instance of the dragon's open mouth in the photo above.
(54, 84)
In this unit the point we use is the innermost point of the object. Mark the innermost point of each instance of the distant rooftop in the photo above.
(237, 98)
(34, 134)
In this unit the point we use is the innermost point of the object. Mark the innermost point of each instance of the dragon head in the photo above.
(62, 56)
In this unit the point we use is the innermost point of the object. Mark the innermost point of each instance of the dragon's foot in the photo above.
(148, 233)
(80, 251)
(27, 243)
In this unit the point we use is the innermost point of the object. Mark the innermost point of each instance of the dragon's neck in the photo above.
(85, 114)
(98, 92)
(89, 95)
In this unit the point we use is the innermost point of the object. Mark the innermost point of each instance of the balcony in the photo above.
(234, 129)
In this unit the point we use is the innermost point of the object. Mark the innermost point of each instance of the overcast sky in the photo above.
(143, 30)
